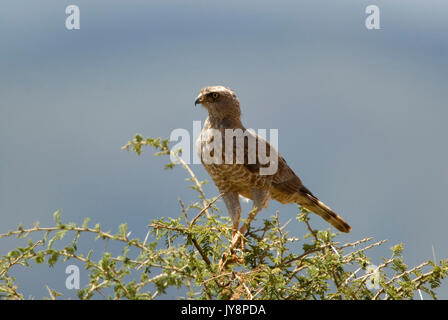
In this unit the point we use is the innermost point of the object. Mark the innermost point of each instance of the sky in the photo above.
(361, 113)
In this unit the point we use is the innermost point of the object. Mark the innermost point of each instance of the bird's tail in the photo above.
(310, 202)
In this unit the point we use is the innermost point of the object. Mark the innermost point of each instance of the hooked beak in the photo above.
(198, 100)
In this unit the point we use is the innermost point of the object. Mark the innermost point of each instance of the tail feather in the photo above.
(310, 202)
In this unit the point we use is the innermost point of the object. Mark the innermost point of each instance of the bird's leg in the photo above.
(260, 200)
(232, 202)
(243, 228)
(235, 227)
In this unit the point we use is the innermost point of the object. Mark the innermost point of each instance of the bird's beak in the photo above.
(198, 100)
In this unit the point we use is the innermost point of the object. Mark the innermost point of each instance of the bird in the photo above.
(242, 177)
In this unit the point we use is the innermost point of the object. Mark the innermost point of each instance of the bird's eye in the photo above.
(215, 95)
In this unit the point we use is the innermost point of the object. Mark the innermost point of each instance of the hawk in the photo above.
(240, 173)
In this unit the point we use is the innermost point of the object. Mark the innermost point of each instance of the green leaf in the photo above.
(57, 216)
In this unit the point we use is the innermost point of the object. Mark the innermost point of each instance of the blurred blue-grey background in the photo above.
(361, 113)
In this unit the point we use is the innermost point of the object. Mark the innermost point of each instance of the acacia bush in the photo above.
(194, 252)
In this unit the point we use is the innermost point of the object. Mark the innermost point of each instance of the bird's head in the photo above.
(220, 102)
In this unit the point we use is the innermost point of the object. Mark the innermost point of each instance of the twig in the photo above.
(354, 253)
(100, 233)
(184, 212)
(195, 180)
(16, 260)
(396, 277)
(203, 255)
(205, 209)
(249, 294)
(311, 230)
(51, 293)
(353, 244)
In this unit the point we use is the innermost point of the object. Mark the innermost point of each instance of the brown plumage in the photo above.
(243, 177)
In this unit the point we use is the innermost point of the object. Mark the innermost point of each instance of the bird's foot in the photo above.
(229, 258)
(238, 239)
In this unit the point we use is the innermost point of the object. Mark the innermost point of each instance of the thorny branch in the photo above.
(188, 255)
